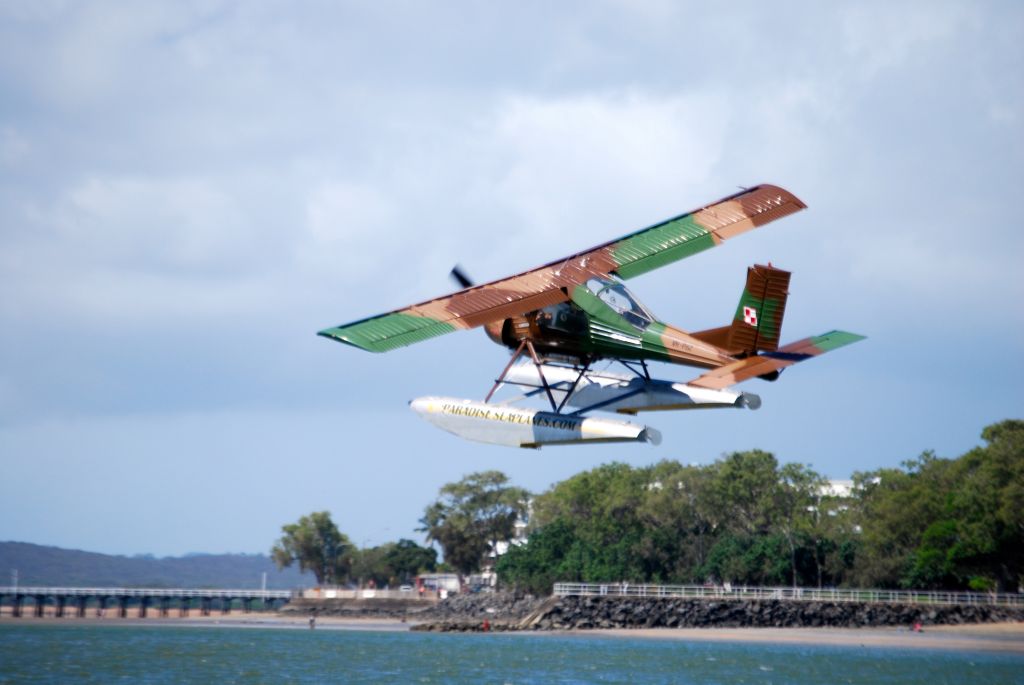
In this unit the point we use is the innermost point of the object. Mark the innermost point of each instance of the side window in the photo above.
(616, 299)
(565, 317)
(596, 285)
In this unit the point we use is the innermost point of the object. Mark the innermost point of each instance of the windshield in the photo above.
(615, 295)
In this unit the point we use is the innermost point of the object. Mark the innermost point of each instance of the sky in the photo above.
(190, 190)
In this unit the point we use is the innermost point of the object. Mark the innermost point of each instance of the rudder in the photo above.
(757, 322)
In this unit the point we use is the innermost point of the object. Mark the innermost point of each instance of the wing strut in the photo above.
(540, 372)
(646, 375)
(527, 344)
(501, 378)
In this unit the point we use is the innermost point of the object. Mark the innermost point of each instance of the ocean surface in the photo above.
(211, 654)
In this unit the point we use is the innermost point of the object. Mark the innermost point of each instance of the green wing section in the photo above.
(701, 229)
(821, 344)
(388, 331)
(660, 245)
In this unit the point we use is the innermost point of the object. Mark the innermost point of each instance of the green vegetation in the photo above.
(939, 523)
(318, 546)
(932, 524)
(472, 516)
(393, 563)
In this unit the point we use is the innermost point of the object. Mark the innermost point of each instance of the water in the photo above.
(164, 654)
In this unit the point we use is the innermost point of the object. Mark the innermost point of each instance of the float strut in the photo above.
(540, 372)
(497, 383)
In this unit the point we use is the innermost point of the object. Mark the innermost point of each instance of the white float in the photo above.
(519, 427)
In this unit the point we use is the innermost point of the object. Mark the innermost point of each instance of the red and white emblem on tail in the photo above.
(750, 316)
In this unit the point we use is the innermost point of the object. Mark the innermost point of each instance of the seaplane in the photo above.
(563, 319)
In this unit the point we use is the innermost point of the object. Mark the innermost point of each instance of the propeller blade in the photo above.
(460, 277)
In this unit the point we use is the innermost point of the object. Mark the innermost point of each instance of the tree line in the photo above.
(317, 545)
(931, 523)
(468, 520)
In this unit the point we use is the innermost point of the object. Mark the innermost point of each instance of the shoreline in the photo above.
(234, 620)
(1005, 637)
(991, 637)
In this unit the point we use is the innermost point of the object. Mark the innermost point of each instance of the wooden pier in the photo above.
(74, 601)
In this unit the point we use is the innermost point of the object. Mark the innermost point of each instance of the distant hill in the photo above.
(54, 566)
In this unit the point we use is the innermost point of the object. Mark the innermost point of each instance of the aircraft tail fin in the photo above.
(758, 320)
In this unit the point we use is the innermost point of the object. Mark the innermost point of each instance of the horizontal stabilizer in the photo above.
(766, 363)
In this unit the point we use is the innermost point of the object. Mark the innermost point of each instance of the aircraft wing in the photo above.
(629, 256)
(750, 367)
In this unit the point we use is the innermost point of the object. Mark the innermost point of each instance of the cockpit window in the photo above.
(616, 296)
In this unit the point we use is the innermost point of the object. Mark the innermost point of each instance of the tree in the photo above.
(674, 512)
(895, 507)
(932, 523)
(391, 563)
(370, 568)
(318, 546)
(835, 538)
(472, 516)
(947, 523)
(551, 555)
(795, 510)
(743, 491)
(999, 483)
(408, 559)
(976, 540)
(601, 507)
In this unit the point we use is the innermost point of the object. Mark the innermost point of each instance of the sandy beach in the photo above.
(989, 637)
(194, 619)
(992, 637)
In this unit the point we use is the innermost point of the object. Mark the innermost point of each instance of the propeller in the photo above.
(460, 277)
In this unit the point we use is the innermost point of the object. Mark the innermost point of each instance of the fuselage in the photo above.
(602, 319)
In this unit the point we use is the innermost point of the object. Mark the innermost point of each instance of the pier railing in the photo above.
(73, 601)
(366, 593)
(734, 592)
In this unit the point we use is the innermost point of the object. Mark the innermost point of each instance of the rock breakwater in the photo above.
(583, 613)
(494, 606)
(359, 608)
(499, 608)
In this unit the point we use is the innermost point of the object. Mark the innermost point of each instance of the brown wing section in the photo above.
(739, 371)
(631, 255)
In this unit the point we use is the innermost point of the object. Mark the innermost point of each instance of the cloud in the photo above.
(178, 224)
(640, 147)
(14, 147)
(349, 226)
(293, 167)
(136, 248)
(877, 41)
(188, 191)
